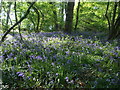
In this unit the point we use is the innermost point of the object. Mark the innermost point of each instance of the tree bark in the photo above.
(8, 12)
(27, 12)
(62, 14)
(69, 18)
(41, 20)
(77, 16)
(8, 17)
(107, 15)
(17, 21)
(115, 23)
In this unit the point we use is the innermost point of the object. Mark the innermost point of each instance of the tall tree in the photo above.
(17, 21)
(62, 15)
(77, 15)
(8, 16)
(114, 23)
(55, 15)
(69, 17)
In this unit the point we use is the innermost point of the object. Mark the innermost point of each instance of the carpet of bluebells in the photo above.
(58, 60)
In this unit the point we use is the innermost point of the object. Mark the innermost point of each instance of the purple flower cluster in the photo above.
(20, 74)
(64, 54)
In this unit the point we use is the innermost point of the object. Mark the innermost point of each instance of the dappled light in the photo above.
(54, 60)
(59, 45)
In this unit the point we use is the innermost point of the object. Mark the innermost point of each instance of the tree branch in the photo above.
(27, 12)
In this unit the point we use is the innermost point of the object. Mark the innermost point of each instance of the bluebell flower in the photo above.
(39, 57)
(20, 74)
(28, 64)
(99, 69)
(108, 80)
(113, 81)
(95, 82)
(72, 81)
(67, 79)
(69, 61)
(53, 64)
(48, 72)
(51, 82)
(117, 48)
(15, 58)
(1, 57)
(67, 52)
(29, 77)
(56, 74)
(32, 57)
(100, 48)
(11, 54)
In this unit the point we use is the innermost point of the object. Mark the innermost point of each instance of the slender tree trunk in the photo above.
(55, 20)
(55, 16)
(107, 15)
(8, 12)
(38, 19)
(8, 17)
(10, 20)
(42, 21)
(17, 21)
(33, 23)
(113, 18)
(115, 23)
(61, 13)
(77, 16)
(69, 18)
(27, 12)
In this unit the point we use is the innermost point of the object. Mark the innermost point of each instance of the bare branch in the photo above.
(27, 12)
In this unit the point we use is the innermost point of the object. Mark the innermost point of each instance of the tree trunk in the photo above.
(55, 16)
(27, 12)
(17, 21)
(69, 17)
(8, 17)
(38, 19)
(62, 14)
(107, 16)
(115, 22)
(77, 16)
(42, 21)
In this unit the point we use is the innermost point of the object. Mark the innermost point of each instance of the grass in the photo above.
(58, 60)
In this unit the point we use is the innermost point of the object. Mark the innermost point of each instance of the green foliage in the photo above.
(53, 60)
(92, 16)
(56, 60)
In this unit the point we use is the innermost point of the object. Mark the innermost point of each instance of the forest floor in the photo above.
(59, 60)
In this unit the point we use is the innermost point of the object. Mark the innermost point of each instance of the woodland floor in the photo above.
(59, 60)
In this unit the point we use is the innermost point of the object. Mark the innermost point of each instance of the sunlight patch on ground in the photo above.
(10, 38)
